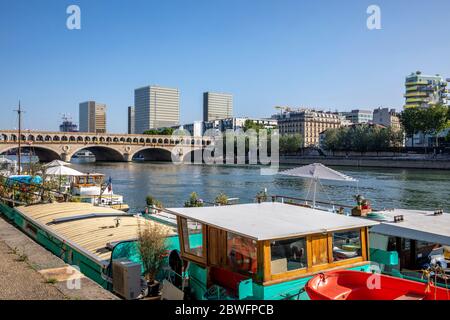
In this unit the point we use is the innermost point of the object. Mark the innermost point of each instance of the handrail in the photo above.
(274, 197)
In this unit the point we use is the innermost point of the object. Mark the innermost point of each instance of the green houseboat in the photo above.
(86, 236)
(266, 251)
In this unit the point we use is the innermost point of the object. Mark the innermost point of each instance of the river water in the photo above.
(172, 184)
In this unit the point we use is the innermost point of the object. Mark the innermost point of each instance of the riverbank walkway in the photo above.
(30, 272)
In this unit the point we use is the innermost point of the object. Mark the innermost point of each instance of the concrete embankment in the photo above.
(380, 162)
(30, 272)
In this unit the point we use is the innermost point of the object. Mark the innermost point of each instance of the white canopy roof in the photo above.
(63, 171)
(56, 163)
(417, 225)
(266, 221)
(317, 171)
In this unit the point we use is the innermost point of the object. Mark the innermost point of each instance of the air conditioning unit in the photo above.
(126, 278)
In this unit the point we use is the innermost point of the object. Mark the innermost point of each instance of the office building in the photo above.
(131, 120)
(156, 107)
(92, 117)
(217, 106)
(386, 117)
(358, 116)
(424, 90)
(308, 123)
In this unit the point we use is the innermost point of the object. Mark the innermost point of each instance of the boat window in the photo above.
(241, 254)
(191, 230)
(346, 245)
(288, 255)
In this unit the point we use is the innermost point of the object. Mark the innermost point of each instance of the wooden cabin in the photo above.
(267, 250)
(89, 180)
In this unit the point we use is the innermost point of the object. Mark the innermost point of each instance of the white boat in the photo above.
(91, 188)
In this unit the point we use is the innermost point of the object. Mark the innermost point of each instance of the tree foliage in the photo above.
(290, 143)
(160, 132)
(363, 138)
(431, 120)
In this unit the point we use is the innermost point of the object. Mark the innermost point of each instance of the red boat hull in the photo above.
(357, 285)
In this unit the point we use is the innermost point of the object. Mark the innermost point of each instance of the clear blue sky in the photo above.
(267, 53)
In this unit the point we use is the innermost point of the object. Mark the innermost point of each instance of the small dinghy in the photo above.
(357, 285)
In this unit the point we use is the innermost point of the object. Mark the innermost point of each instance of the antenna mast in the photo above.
(19, 151)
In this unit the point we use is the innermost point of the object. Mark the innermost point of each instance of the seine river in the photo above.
(172, 184)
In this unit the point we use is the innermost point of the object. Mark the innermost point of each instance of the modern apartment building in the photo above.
(92, 117)
(309, 123)
(386, 117)
(424, 90)
(131, 120)
(359, 116)
(217, 106)
(156, 107)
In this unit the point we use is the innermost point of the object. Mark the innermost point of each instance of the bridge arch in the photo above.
(43, 153)
(101, 153)
(150, 153)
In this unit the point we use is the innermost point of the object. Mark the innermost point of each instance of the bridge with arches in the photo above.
(49, 146)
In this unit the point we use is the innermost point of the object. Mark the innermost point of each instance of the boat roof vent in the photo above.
(399, 218)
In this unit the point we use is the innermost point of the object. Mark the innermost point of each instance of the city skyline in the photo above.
(332, 61)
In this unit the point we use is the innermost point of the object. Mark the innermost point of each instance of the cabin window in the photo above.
(192, 237)
(241, 254)
(288, 255)
(346, 245)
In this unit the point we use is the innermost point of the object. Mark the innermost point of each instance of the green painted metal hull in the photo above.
(289, 290)
(90, 267)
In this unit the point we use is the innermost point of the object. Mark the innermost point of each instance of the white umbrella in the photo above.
(63, 171)
(56, 163)
(316, 172)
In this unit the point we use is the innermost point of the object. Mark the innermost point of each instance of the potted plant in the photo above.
(152, 203)
(221, 199)
(362, 206)
(152, 248)
(193, 201)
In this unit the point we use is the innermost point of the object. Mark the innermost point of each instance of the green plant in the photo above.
(75, 199)
(221, 199)
(151, 201)
(262, 195)
(193, 201)
(152, 248)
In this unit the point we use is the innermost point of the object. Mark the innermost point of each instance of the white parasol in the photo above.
(317, 172)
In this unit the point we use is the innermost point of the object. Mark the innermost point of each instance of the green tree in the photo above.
(411, 120)
(290, 143)
(435, 120)
(161, 132)
(331, 140)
